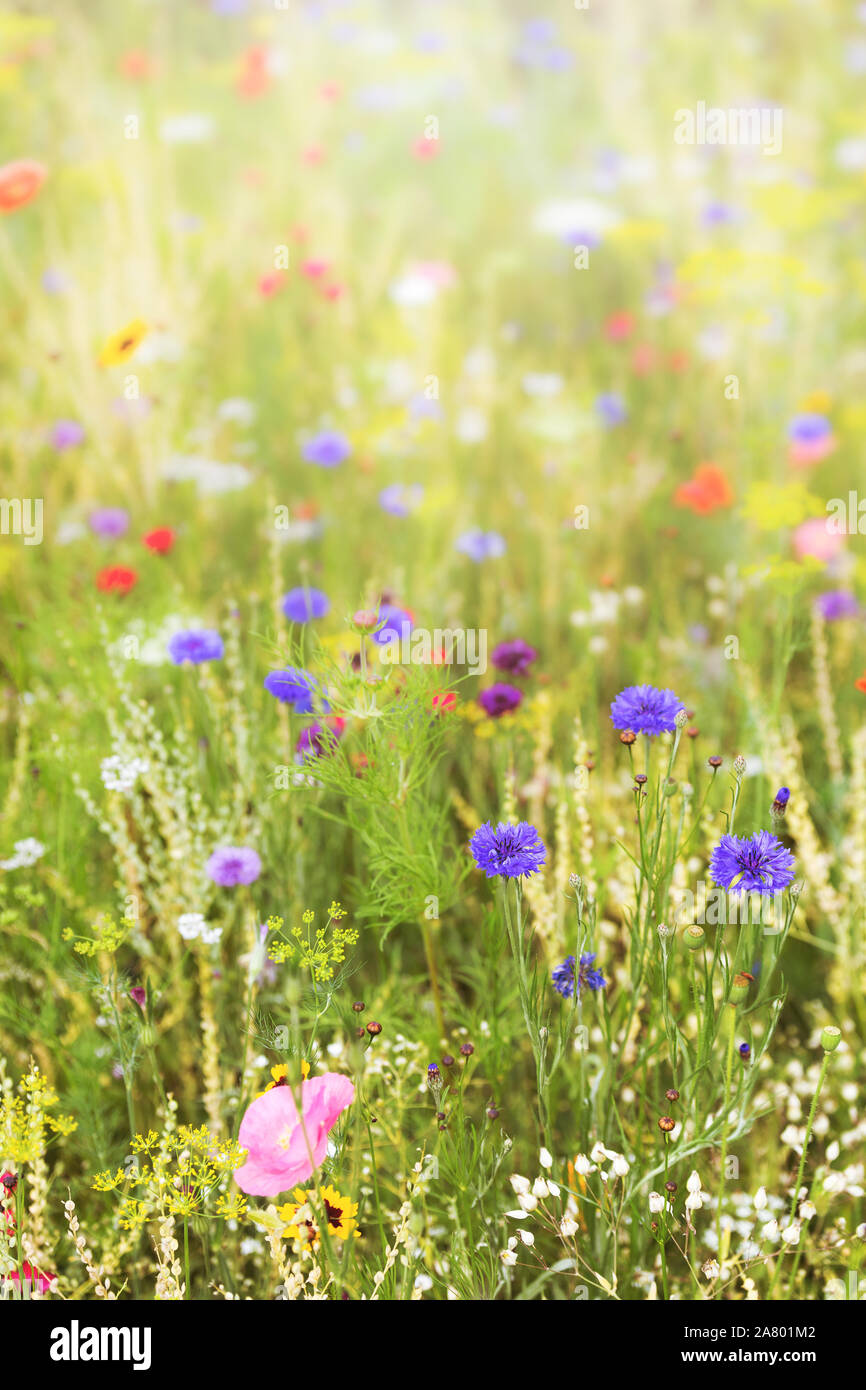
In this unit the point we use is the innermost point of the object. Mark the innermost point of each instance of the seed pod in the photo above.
(831, 1038)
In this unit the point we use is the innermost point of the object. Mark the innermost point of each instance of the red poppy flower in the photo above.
(445, 702)
(20, 181)
(706, 491)
(861, 683)
(160, 541)
(116, 580)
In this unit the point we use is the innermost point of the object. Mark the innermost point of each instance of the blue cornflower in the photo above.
(327, 449)
(610, 408)
(199, 645)
(645, 710)
(809, 428)
(294, 687)
(756, 864)
(394, 623)
(400, 499)
(563, 976)
(836, 604)
(508, 851)
(480, 545)
(300, 605)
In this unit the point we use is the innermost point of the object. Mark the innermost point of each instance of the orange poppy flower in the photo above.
(861, 683)
(116, 580)
(706, 490)
(20, 181)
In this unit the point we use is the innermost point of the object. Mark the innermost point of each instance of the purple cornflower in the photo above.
(67, 434)
(109, 521)
(836, 604)
(294, 687)
(54, 281)
(780, 803)
(563, 976)
(610, 408)
(809, 429)
(401, 499)
(516, 656)
(327, 449)
(480, 545)
(300, 605)
(316, 740)
(233, 864)
(645, 710)
(508, 851)
(393, 624)
(756, 864)
(499, 699)
(201, 644)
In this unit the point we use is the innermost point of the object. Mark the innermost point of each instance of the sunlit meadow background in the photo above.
(368, 218)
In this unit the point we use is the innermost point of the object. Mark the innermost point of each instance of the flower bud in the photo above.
(831, 1038)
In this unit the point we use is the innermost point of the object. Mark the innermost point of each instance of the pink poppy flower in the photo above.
(425, 148)
(814, 538)
(284, 1148)
(314, 270)
(33, 1279)
(271, 283)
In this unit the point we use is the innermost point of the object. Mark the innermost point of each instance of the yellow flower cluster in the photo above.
(316, 950)
(773, 505)
(108, 936)
(25, 1125)
(179, 1175)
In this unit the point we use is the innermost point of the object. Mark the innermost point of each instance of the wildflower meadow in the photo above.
(433, 691)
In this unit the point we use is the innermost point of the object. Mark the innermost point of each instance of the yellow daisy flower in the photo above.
(121, 345)
(280, 1076)
(301, 1216)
